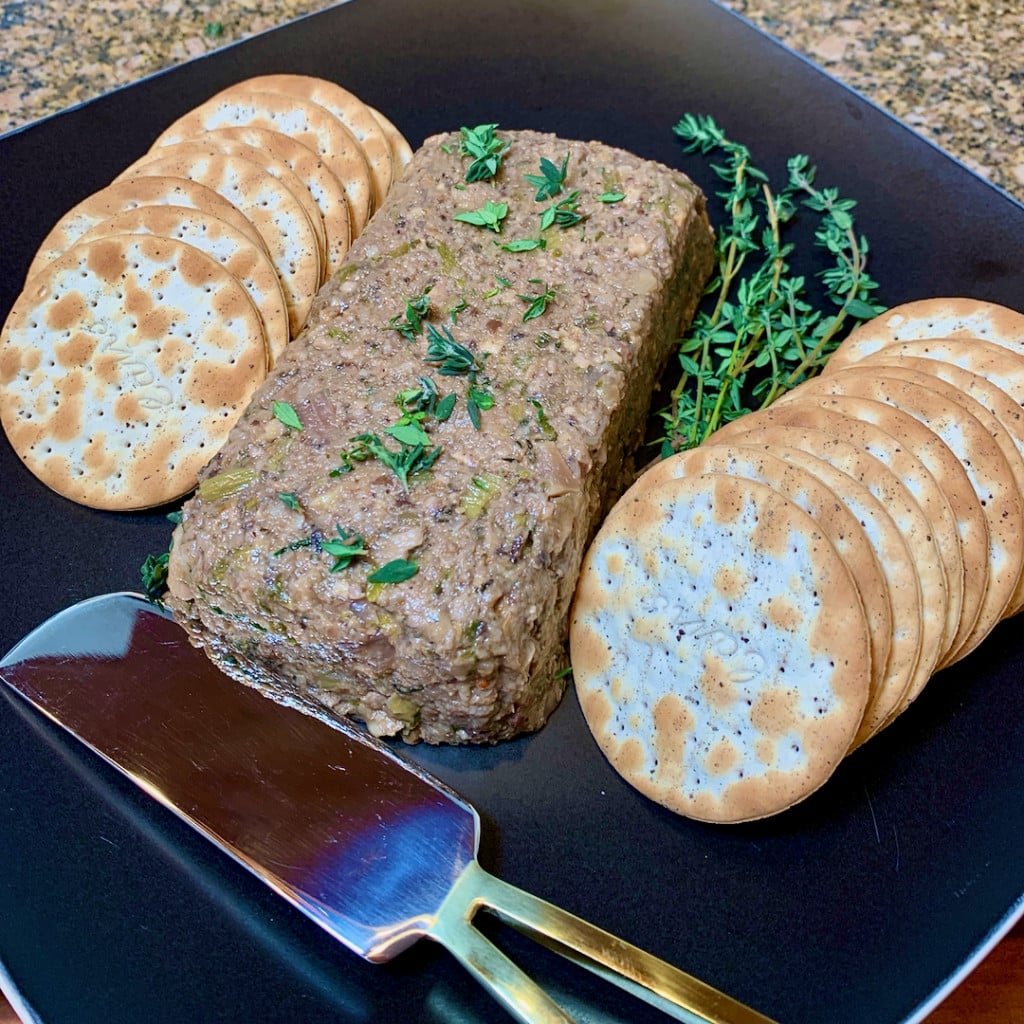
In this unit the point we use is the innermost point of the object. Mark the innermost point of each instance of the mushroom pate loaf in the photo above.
(395, 526)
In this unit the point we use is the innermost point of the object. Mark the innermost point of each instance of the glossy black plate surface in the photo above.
(858, 905)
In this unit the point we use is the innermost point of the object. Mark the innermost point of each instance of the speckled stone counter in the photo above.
(952, 70)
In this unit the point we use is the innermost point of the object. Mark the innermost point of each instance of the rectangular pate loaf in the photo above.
(550, 355)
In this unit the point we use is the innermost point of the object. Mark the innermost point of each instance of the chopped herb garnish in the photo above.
(489, 216)
(346, 548)
(453, 359)
(550, 180)
(408, 433)
(500, 284)
(543, 422)
(453, 313)
(486, 149)
(398, 570)
(611, 197)
(478, 400)
(417, 402)
(404, 463)
(295, 545)
(563, 214)
(450, 358)
(416, 310)
(154, 569)
(537, 303)
(290, 498)
(520, 245)
(284, 412)
(444, 407)
(213, 29)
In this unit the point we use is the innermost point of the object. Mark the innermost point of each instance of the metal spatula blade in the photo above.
(363, 842)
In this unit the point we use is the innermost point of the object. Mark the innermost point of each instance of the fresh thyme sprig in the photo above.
(344, 548)
(758, 335)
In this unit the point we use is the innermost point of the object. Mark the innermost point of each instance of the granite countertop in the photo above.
(951, 70)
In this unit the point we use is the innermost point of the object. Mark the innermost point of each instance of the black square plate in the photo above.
(861, 904)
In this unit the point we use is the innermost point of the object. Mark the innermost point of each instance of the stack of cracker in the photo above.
(754, 609)
(155, 307)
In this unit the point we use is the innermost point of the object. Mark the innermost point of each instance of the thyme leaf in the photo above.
(398, 570)
(450, 358)
(520, 245)
(407, 461)
(286, 414)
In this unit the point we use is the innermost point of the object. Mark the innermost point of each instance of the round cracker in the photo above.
(307, 122)
(348, 108)
(894, 476)
(944, 492)
(838, 465)
(267, 161)
(990, 374)
(997, 363)
(992, 398)
(168, 190)
(401, 151)
(711, 688)
(971, 541)
(243, 258)
(270, 207)
(932, 318)
(984, 450)
(123, 365)
(320, 180)
(837, 522)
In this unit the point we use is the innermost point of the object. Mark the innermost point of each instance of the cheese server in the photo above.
(363, 842)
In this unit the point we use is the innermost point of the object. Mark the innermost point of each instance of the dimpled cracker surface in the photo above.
(273, 210)
(719, 646)
(242, 257)
(837, 522)
(123, 365)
